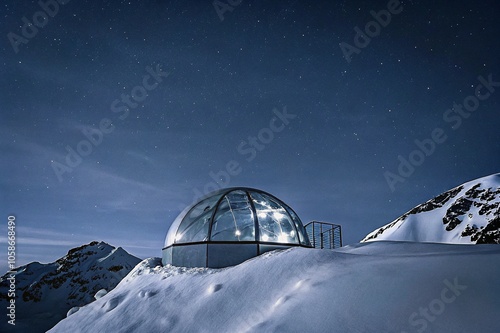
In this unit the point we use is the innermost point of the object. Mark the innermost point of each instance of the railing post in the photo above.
(314, 236)
(340, 234)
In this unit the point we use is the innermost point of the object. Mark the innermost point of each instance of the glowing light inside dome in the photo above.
(237, 232)
(265, 238)
(283, 238)
(278, 216)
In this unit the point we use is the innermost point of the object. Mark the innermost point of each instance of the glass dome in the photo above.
(230, 226)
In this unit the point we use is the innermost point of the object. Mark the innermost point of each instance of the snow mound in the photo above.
(72, 310)
(467, 214)
(100, 293)
(369, 287)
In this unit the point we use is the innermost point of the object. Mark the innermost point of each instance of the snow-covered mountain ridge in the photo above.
(401, 287)
(469, 213)
(45, 292)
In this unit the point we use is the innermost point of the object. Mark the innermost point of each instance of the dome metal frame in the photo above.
(223, 253)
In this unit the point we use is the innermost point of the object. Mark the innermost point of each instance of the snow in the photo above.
(100, 293)
(72, 310)
(368, 287)
(428, 226)
(47, 293)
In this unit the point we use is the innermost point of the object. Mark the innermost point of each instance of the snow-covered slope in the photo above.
(370, 287)
(45, 292)
(469, 213)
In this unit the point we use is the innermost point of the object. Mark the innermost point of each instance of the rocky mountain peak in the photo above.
(469, 213)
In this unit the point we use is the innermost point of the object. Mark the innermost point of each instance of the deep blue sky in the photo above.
(352, 119)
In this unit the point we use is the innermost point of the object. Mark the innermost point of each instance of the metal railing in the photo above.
(324, 235)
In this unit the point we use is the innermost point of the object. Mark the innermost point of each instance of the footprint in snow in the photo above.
(147, 293)
(112, 303)
(282, 300)
(214, 288)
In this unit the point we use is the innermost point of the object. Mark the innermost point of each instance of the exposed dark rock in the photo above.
(490, 234)
(469, 230)
(453, 214)
(489, 207)
(436, 202)
(473, 192)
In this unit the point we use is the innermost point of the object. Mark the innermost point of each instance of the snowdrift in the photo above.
(368, 287)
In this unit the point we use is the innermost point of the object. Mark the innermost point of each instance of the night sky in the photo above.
(151, 100)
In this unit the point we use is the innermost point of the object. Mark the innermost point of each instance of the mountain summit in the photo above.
(45, 292)
(466, 214)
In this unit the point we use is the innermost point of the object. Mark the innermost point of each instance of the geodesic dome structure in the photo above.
(229, 226)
